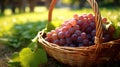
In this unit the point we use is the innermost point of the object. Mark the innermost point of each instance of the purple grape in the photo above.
(67, 34)
(62, 41)
(71, 30)
(80, 22)
(68, 40)
(78, 32)
(48, 39)
(80, 44)
(89, 29)
(89, 36)
(93, 33)
(92, 24)
(86, 42)
(84, 26)
(74, 37)
(56, 42)
(64, 29)
(61, 35)
(83, 35)
(79, 39)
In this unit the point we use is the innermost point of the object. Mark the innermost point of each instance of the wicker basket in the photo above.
(83, 56)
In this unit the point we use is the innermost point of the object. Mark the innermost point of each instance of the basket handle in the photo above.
(94, 5)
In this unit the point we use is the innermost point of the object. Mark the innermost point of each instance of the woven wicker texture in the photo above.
(83, 56)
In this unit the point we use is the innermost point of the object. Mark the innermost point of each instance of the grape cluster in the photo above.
(78, 31)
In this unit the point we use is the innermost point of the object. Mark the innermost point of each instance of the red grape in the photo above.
(54, 37)
(76, 16)
(76, 27)
(81, 17)
(104, 20)
(90, 15)
(73, 22)
(49, 34)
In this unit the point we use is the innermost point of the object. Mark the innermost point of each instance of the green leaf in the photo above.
(32, 59)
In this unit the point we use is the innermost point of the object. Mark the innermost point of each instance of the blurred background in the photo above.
(20, 21)
(75, 4)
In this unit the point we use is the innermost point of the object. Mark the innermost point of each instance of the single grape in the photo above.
(89, 37)
(61, 34)
(90, 15)
(86, 42)
(68, 25)
(78, 32)
(57, 30)
(62, 41)
(54, 36)
(80, 22)
(56, 42)
(93, 33)
(79, 39)
(81, 17)
(111, 29)
(76, 27)
(74, 37)
(85, 20)
(76, 16)
(92, 24)
(71, 30)
(85, 16)
(68, 40)
(84, 26)
(48, 39)
(67, 34)
(83, 35)
(92, 19)
(104, 20)
(88, 29)
(73, 22)
(53, 31)
(64, 29)
(49, 34)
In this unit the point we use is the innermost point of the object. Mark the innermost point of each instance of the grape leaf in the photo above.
(28, 58)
